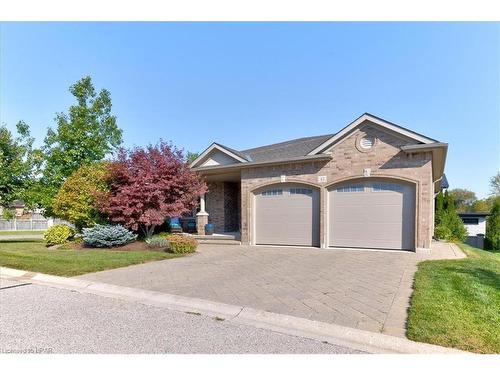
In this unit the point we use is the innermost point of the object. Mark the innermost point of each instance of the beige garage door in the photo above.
(372, 214)
(287, 215)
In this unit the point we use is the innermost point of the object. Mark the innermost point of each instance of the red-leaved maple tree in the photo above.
(148, 185)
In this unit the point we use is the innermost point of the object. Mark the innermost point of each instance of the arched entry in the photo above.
(372, 213)
(286, 214)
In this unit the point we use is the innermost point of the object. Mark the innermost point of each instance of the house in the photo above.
(370, 185)
(17, 206)
(475, 223)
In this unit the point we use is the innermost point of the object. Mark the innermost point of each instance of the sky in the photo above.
(250, 84)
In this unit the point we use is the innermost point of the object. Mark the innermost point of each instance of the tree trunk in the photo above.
(150, 231)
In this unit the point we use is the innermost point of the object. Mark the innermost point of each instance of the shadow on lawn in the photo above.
(481, 275)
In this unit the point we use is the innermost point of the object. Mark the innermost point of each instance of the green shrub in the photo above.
(442, 232)
(77, 199)
(107, 236)
(58, 234)
(7, 214)
(456, 226)
(492, 240)
(157, 242)
(446, 216)
(181, 244)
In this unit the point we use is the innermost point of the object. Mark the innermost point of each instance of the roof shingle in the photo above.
(284, 150)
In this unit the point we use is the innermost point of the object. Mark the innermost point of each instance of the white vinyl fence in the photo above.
(30, 224)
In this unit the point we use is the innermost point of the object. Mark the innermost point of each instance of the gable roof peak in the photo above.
(377, 121)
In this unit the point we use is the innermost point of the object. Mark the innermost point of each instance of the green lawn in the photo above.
(32, 255)
(24, 232)
(456, 303)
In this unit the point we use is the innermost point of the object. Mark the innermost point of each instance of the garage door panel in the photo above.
(372, 217)
(287, 219)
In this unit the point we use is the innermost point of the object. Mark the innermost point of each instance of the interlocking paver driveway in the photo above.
(347, 287)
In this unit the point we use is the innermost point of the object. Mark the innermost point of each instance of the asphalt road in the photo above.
(35, 318)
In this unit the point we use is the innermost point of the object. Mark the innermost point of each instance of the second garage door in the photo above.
(287, 215)
(372, 214)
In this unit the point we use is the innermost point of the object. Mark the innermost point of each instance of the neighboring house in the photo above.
(19, 211)
(370, 185)
(17, 207)
(475, 223)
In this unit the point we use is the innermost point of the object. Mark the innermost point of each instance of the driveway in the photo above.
(362, 289)
(66, 321)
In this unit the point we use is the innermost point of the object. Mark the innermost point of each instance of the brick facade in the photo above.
(214, 204)
(385, 160)
(349, 161)
(223, 205)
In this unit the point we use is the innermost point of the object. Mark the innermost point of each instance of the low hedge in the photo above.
(179, 244)
(58, 234)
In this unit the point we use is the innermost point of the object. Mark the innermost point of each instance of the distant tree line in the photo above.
(463, 200)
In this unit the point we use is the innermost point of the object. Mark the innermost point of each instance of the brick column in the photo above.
(201, 220)
(201, 217)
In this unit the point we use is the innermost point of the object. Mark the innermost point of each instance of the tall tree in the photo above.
(493, 226)
(192, 156)
(88, 133)
(464, 199)
(495, 185)
(483, 205)
(19, 163)
(148, 185)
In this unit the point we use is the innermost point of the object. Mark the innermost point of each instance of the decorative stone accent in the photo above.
(201, 220)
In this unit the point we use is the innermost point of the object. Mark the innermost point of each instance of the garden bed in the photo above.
(133, 246)
(33, 255)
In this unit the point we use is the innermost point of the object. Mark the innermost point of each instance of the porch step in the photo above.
(217, 236)
(218, 242)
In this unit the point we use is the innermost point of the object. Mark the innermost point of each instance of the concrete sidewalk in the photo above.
(355, 339)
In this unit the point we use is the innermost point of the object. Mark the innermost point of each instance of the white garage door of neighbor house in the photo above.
(372, 214)
(287, 215)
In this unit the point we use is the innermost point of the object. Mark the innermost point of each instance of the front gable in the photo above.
(368, 137)
(217, 155)
(217, 158)
(368, 121)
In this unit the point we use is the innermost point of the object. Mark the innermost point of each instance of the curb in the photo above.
(371, 342)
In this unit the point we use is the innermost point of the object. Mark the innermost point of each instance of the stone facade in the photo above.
(230, 204)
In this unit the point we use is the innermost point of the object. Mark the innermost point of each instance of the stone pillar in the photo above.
(201, 217)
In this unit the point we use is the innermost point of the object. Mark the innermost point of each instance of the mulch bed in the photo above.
(133, 246)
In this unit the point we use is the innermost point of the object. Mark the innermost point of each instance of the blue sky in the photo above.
(249, 84)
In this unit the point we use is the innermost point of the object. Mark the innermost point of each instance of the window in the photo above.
(271, 192)
(351, 188)
(300, 191)
(367, 142)
(387, 187)
(470, 220)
